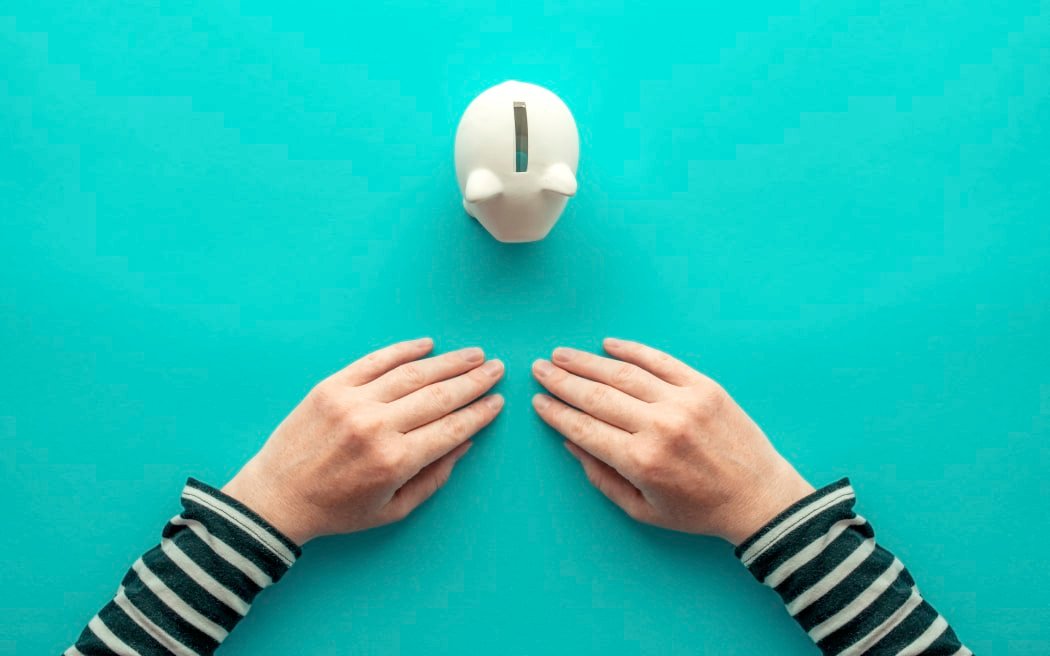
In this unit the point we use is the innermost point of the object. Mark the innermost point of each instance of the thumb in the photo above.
(423, 485)
(612, 484)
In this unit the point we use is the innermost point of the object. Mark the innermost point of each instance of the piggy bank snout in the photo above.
(518, 218)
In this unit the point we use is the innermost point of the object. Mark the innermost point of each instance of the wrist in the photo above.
(765, 503)
(269, 503)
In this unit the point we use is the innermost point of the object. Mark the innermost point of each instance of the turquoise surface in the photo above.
(838, 209)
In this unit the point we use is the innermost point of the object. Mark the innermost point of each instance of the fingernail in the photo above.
(468, 447)
(611, 342)
(472, 354)
(542, 368)
(562, 354)
(494, 402)
(541, 401)
(424, 342)
(492, 367)
(569, 447)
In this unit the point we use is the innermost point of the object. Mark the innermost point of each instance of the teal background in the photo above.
(838, 209)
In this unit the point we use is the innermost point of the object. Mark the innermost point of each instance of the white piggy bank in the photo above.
(516, 154)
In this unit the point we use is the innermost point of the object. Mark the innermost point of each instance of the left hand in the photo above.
(371, 442)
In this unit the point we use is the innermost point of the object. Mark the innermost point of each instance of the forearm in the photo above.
(185, 595)
(848, 593)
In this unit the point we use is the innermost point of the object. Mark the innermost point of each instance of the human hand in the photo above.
(664, 442)
(371, 442)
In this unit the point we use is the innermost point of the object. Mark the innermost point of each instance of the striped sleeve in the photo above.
(848, 593)
(185, 595)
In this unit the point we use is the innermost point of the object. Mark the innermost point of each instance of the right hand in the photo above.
(665, 442)
(371, 442)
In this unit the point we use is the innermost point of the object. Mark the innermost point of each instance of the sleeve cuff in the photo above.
(239, 517)
(793, 518)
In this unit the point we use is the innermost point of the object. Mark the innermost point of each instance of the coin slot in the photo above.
(521, 138)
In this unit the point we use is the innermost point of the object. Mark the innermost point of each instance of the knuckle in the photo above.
(648, 460)
(390, 460)
(400, 511)
(364, 424)
(439, 396)
(672, 425)
(579, 425)
(597, 395)
(623, 373)
(455, 425)
(710, 398)
(327, 400)
(634, 511)
(413, 374)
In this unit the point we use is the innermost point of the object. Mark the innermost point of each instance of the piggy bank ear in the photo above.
(482, 185)
(560, 179)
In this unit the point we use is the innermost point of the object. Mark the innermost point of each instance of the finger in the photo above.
(411, 376)
(612, 484)
(596, 399)
(423, 485)
(430, 442)
(657, 362)
(624, 376)
(438, 399)
(592, 435)
(379, 362)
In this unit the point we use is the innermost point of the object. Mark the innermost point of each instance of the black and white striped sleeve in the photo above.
(848, 593)
(185, 595)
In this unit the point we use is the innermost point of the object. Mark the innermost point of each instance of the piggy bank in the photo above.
(516, 154)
